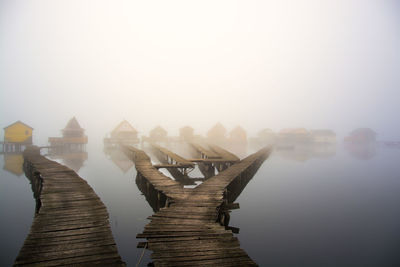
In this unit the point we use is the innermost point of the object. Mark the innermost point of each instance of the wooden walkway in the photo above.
(224, 153)
(71, 224)
(189, 226)
(171, 157)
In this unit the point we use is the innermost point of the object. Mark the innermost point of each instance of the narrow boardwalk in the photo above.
(224, 153)
(71, 224)
(188, 228)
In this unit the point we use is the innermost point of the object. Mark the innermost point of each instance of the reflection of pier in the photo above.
(71, 223)
(190, 226)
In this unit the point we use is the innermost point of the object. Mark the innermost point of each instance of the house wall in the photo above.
(18, 133)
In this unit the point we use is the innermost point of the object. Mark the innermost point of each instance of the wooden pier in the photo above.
(71, 224)
(190, 226)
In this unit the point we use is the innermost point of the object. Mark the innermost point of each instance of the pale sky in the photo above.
(260, 64)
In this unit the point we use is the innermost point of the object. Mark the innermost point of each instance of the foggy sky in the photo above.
(260, 64)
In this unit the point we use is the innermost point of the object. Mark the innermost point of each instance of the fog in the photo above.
(258, 64)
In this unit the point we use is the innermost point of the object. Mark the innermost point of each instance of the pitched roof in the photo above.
(218, 128)
(238, 129)
(16, 123)
(73, 124)
(124, 126)
(158, 129)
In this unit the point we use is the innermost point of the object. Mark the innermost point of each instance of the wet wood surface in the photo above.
(188, 230)
(71, 225)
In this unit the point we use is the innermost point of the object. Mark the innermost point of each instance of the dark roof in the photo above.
(73, 124)
(16, 123)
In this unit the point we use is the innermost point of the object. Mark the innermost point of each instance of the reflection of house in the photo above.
(123, 133)
(70, 156)
(323, 136)
(296, 135)
(73, 134)
(361, 143)
(120, 160)
(14, 163)
(16, 136)
(238, 136)
(186, 133)
(304, 152)
(217, 134)
(361, 136)
(363, 151)
(75, 160)
(158, 134)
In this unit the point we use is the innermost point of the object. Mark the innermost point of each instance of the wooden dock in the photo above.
(71, 224)
(190, 226)
(228, 156)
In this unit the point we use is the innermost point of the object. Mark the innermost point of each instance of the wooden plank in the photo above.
(185, 233)
(71, 227)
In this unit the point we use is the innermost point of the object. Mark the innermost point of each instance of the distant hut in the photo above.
(123, 133)
(17, 136)
(73, 129)
(295, 135)
(361, 136)
(217, 134)
(186, 133)
(158, 134)
(323, 136)
(266, 136)
(73, 136)
(238, 136)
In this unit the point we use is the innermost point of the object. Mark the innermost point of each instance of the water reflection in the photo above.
(118, 158)
(364, 151)
(13, 163)
(361, 143)
(304, 152)
(70, 155)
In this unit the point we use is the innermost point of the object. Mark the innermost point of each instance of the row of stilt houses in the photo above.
(218, 134)
(19, 135)
(70, 147)
(125, 133)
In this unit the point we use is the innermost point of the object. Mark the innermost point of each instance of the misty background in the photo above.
(259, 64)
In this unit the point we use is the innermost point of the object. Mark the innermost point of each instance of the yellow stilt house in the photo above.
(17, 136)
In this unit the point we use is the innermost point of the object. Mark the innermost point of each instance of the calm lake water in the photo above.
(306, 206)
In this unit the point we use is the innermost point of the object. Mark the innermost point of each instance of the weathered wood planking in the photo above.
(205, 153)
(187, 231)
(71, 224)
(225, 154)
(178, 160)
